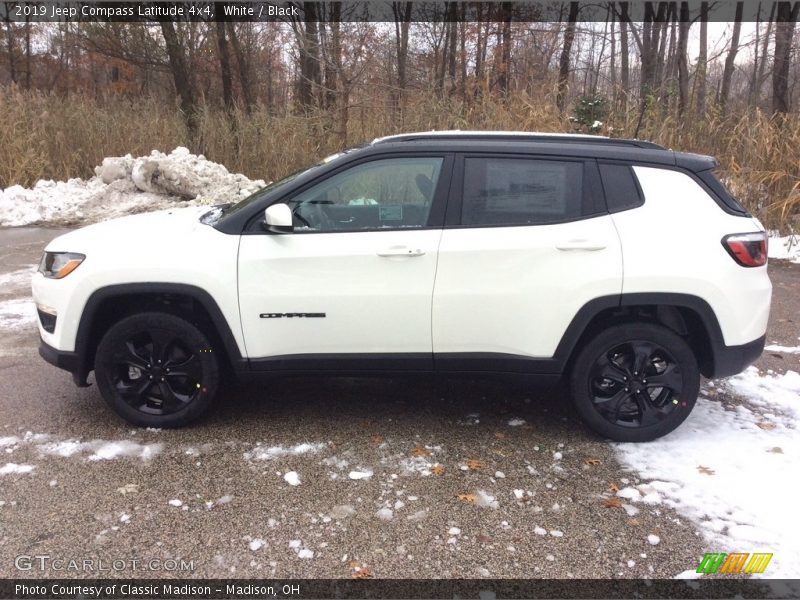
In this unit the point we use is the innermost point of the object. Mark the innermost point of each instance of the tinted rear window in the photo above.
(621, 188)
(521, 191)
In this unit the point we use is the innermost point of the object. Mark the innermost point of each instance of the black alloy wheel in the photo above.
(635, 382)
(156, 370)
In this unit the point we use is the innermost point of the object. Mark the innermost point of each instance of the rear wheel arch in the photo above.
(689, 316)
(108, 305)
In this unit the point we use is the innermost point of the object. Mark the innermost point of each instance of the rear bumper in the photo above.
(69, 361)
(730, 360)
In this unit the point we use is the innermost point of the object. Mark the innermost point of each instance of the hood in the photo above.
(163, 227)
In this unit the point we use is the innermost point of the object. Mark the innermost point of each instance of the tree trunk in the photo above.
(683, 65)
(563, 64)
(624, 73)
(613, 64)
(12, 63)
(764, 52)
(224, 62)
(402, 21)
(310, 74)
(727, 74)
(180, 69)
(28, 70)
(702, 61)
(243, 63)
(785, 19)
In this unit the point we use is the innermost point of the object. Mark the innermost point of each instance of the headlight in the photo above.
(56, 265)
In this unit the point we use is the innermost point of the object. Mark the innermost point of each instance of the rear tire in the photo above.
(635, 382)
(156, 370)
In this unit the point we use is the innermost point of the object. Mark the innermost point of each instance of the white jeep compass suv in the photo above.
(626, 267)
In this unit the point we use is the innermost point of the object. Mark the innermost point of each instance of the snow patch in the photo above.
(360, 474)
(269, 453)
(726, 469)
(785, 248)
(15, 469)
(17, 314)
(292, 478)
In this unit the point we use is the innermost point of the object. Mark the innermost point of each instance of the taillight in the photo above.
(747, 249)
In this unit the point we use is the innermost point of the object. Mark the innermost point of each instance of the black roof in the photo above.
(629, 151)
(516, 136)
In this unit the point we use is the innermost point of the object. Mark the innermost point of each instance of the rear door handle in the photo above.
(401, 251)
(586, 245)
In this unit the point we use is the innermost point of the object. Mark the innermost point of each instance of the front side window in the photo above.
(521, 191)
(389, 193)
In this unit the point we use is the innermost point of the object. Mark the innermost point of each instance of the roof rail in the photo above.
(515, 136)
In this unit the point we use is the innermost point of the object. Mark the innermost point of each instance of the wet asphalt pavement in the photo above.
(469, 478)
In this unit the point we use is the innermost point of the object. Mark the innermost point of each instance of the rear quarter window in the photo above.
(621, 187)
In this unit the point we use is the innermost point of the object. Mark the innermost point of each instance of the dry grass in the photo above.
(54, 137)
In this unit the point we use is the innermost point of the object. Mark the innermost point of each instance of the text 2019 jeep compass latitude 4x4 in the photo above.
(623, 265)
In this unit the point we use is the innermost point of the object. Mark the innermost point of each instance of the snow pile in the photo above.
(126, 185)
(786, 247)
(729, 469)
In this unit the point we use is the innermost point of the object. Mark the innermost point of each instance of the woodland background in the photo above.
(268, 98)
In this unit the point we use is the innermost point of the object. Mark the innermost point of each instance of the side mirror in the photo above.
(278, 219)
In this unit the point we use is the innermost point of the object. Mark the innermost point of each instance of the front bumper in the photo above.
(69, 361)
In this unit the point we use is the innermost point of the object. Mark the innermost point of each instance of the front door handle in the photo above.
(587, 245)
(401, 251)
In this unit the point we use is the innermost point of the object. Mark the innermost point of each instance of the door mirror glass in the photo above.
(278, 219)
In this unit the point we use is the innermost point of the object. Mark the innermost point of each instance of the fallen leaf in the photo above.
(592, 461)
(474, 464)
(376, 439)
(437, 470)
(499, 435)
(484, 539)
(354, 563)
(468, 498)
(633, 522)
(613, 488)
(705, 470)
(613, 503)
(766, 425)
(363, 573)
(419, 451)
(776, 450)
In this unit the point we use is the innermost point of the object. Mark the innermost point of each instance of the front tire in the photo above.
(156, 370)
(635, 382)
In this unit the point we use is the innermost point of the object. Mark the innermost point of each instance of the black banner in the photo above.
(364, 11)
(485, 589)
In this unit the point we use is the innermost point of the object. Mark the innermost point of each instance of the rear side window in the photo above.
(621, 188)
(521, 191)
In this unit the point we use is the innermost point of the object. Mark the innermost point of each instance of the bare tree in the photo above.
(702, 61)
(683, 67)
(730, 60)
(224, 62)
(785, 20)
(564, 62)
(181, 75)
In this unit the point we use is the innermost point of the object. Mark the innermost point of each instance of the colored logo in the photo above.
(735, 562)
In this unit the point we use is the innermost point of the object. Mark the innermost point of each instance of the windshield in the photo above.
(223, 210)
